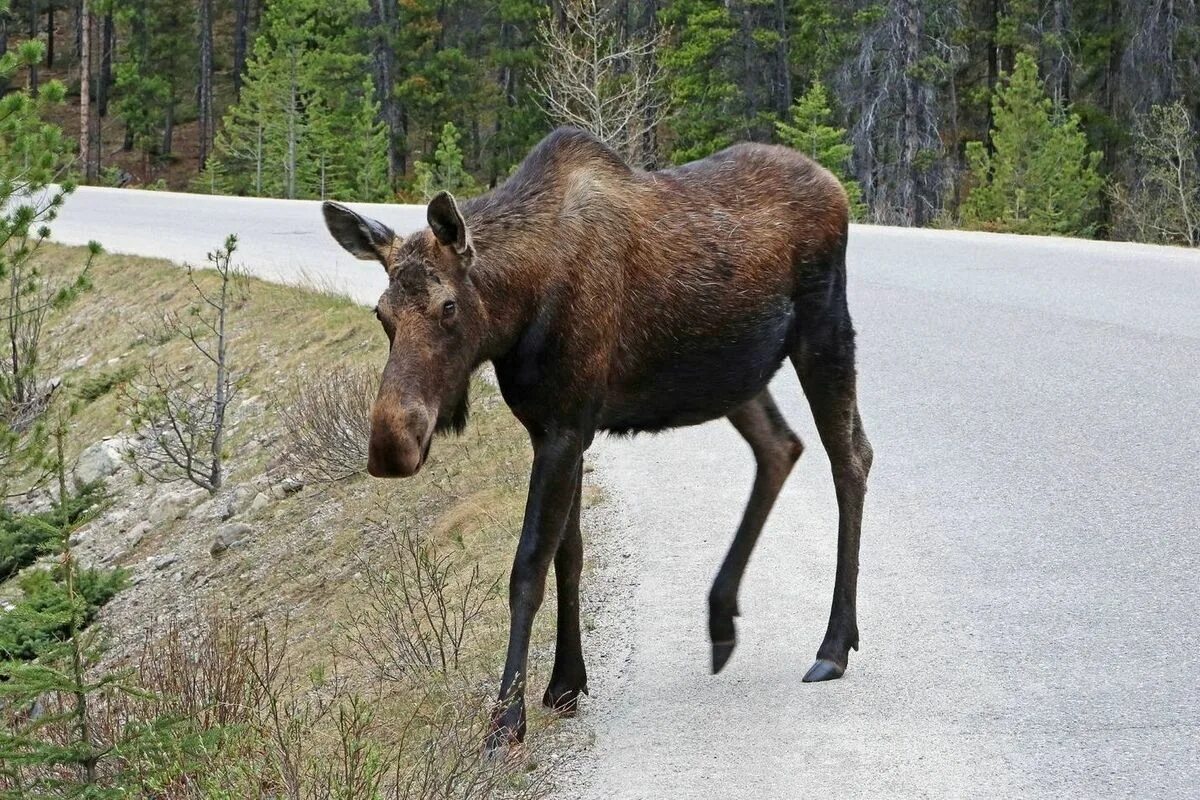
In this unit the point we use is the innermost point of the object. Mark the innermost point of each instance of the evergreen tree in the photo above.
(702, 93)
(307, 122)
(1041, 177)
(810, 132)
(444, 170)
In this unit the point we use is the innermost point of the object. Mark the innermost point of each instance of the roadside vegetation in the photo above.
(302, 631)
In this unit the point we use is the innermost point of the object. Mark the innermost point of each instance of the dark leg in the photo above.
(824, 360)
(776, 450)
(552, 491)
(569, 677)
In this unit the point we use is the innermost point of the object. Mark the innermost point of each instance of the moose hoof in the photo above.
(721, 651)
(824, 670)
(500, 742)
(564, 702)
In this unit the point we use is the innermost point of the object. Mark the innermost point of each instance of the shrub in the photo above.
(24, 537)
(329, 423)
(44, 614)
(96, 386)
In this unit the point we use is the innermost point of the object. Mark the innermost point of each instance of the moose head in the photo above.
(433, 318)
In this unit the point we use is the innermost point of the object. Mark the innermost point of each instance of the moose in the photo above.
(614, 299)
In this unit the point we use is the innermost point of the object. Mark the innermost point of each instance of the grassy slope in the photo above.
(308, 551)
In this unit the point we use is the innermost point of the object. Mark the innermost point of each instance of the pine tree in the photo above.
(306, 124)
(444, 170)
(702, 92)
(810, 132)
(1041, 177)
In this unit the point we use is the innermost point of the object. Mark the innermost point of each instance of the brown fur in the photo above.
(614, 299)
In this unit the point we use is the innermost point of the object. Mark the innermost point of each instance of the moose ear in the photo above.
(448, 224)
(362, 237)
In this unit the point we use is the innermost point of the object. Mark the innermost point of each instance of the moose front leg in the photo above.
(557, 459)
(569, 677)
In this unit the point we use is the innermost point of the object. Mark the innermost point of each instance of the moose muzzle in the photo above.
(400, 439)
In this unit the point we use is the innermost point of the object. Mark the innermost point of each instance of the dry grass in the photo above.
(314, 555)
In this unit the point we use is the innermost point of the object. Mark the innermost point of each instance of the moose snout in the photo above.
(399, 442)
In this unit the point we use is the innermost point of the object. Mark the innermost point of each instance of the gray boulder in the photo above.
(100, 460)
(228, 536)
(173, 505)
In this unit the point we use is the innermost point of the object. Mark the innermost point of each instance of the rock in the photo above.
(76, 538)
(229, 536)
(261, 501)
(174, 505)
(287, 486)
(137, 533)
(243, 496)
(100, 460)
(163, 561)
(219, 508)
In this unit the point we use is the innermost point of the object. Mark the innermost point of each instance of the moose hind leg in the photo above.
(569, 677)
(776, 450)
(825, 365)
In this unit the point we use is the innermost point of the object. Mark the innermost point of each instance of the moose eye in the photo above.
(448, 308)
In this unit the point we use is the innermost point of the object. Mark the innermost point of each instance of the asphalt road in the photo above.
(1030, 581)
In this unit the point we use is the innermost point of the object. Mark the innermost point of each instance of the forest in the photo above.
(1074, 117)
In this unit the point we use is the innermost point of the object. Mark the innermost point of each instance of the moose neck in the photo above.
(510, 272)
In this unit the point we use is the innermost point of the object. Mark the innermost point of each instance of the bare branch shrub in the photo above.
(1161, 201)
(329, 423)
(185, 415)
(415, 614)
(595, 81)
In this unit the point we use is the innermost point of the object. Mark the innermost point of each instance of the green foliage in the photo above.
(34, 155)
(307, 122)
(703, 95)
(444, 170)
(24, 537)
(96, 386)
(811, 132)
(1041, 177)
(155, 67)
(47, 611)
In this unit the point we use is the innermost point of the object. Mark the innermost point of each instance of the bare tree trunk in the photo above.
(205, 88)
(104, 86)
(3, 47)
(241, 23)
(910, 22)
(783, 61)
(34, 83)
(50, 34)
(382, 23)
(85, 91)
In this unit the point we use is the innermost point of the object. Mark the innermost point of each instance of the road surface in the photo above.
(1030, 583)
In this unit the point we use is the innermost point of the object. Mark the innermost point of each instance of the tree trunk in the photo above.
(783, 61)
(85, 91)
(50, 35)
(205, 89)
(910, 138)
(33, 34)
(104, 86)
(3, 48)
(168, 140)
(241, 22)
(382, 23)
